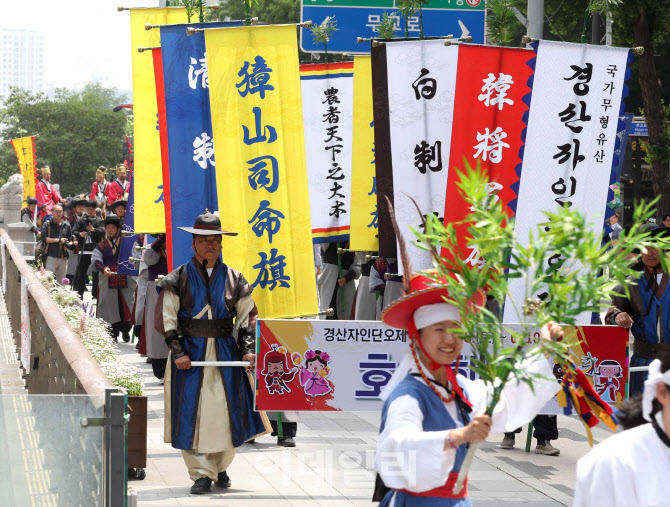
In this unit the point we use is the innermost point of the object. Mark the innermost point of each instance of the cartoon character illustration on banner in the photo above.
(606, 382)
(589, 364)
(277, 375)
(314, 372)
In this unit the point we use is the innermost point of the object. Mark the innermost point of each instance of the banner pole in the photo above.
(280, 426)
(339, 276)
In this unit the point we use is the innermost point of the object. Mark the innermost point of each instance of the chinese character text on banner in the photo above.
(364, 224)
(488, 110)
(260, 152)
(148, 175)
(570, 141)
(327, 106)
(189, 184)
(421, 88)
(24, 148)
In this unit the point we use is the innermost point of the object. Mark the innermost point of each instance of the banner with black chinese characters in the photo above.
(259, 145)
(148, 174)
(364, 223)
(570, 141)
(24, 148)
(189, 183)
(492, 99)
(421, 90)
(325, 365)
(327, 108)
(317, 365)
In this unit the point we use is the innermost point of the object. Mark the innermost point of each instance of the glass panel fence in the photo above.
(47, 456)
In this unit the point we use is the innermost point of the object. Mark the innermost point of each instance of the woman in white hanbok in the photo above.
(632, 468)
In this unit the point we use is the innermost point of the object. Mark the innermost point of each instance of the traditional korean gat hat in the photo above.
(207, 224)
(113, 219)
(120, 202)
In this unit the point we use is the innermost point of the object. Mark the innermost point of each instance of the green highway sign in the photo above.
(392, 4)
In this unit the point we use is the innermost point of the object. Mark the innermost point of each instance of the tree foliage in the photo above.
(267, 11)
(78, 131)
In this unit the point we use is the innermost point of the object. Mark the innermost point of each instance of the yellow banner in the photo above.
(148, 176)
(24, 148)
(254, 88)
(363, 182)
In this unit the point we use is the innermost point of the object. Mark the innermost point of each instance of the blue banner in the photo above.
(125, 266)
(192, 168)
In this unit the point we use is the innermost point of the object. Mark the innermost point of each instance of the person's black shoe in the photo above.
(224, 480)
(286, 442)
(201, 486)
(137, 347)
(126, 336)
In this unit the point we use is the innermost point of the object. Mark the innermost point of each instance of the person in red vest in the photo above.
(99, 188)
(119, 188)
(46, 193)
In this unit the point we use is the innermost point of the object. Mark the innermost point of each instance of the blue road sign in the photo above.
(639, 128)
(354, 22)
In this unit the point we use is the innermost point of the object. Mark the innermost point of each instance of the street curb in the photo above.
(527, 479)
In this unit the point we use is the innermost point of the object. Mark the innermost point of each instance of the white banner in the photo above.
(4, 267)
(328, 116)
(25, 326)
(421, 89)
(570, 141)
(320, 365)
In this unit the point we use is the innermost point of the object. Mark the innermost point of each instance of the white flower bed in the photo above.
(96, 336)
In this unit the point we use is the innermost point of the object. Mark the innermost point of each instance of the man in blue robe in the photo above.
(646, 312)
(209, 411)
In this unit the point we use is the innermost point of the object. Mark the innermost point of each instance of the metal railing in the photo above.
(60, 364)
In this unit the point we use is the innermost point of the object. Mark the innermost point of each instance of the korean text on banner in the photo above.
(148, 174)
(492, 94)
(570, 141)
(364, 226)
(327, 107)
(189, 177)
(24, 148)
(421, 89)
(325, 365)
(259, 145)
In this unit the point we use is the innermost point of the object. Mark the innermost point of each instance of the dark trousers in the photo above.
(80, 277)
(545, 427)
(158, 365)
(288, 428)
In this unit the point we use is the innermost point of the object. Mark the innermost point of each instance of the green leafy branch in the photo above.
(561, 269)
(410, 7)
(322, 33)
(387, 27)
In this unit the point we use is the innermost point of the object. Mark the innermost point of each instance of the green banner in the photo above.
(391, 4)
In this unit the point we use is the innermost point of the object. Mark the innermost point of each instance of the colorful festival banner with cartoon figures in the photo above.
(259, 145)
(189, 184)
(572, 127)
(24, 148)
(327, 108)
(148, 174)
(492, 97)
(319, 365)
(325, 365)
(364, 223)
(421, 90)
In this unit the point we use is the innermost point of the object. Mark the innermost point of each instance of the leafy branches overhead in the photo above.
(387, 27)
(501, 23)
(560, 268)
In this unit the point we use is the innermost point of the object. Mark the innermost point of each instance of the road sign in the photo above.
(441, 17)
(639, 128)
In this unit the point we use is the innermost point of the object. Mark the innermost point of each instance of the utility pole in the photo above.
(535, 26)
(595, 28)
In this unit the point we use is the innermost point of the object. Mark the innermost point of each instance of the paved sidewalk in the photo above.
(333, 462)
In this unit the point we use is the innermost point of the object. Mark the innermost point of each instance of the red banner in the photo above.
(492, 97)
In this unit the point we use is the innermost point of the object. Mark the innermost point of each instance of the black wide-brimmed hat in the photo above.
(655, 232)
(73, 203)
(207, 224)
(31, 200)
(120, 202)
(113, 219)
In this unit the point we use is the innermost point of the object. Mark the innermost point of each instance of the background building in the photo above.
(21, 60)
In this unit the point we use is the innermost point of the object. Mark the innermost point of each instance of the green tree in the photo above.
(267, 11)
(78, 131)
